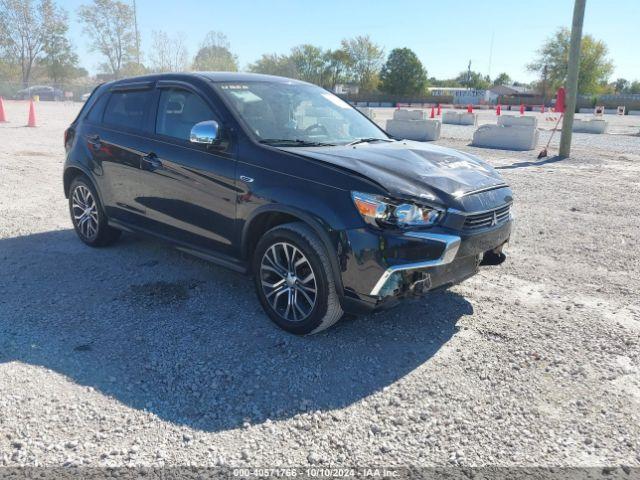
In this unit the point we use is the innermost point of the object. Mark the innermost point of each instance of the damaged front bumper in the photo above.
(385, 266)
(450, 246)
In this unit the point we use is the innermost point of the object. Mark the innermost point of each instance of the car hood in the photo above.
(412, 169)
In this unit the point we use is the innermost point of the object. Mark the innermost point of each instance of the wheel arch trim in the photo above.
(305, 217)
(66, 179)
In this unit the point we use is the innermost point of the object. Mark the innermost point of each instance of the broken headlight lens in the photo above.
(382, 211)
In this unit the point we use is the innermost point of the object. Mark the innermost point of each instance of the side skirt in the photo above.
(219, 259)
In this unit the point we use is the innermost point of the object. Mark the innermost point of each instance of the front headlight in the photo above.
(383, 211)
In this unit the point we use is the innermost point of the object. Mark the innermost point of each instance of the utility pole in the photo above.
(544, 86)
(491, 53)
(135, 26)
(469, 76)
(572, 78)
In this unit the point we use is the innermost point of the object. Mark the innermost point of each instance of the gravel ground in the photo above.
(140, 355)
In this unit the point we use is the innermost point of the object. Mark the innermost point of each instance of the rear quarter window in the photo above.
(127, 109)
(95, 113)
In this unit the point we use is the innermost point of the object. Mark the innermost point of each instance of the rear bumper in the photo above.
(382, 267)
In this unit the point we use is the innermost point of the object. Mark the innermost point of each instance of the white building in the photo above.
(347, 88)
(463, 95)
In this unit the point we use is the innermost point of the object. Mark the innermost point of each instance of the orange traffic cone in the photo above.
(439, 110)
(542, 109)
(469, 108)
(498, 110)
(32, 115)
(3, 117)
(433, 113)
(522, 109)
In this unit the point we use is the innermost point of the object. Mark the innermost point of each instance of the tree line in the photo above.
(34, 43)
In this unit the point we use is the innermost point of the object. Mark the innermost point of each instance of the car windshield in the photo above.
(293, 114)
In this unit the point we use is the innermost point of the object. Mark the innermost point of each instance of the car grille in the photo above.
(487, 219)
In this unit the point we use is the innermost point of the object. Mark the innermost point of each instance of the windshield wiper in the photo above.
(294, 142)
(367, 140)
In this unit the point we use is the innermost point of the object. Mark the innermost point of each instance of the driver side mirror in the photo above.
(205, 133)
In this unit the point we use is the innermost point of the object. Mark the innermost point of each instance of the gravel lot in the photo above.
(140, 355)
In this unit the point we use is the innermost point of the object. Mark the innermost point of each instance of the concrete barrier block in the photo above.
(594, 125)
(403, 114)
(450, 117)
(522, 121)
(468, 119)
(420, 130)
(510, 137)
(369, 112)
(459, 118)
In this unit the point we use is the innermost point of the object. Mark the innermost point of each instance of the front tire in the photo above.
(294, 280)
(88, 217)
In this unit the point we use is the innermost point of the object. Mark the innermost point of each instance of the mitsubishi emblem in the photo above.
(494, 220)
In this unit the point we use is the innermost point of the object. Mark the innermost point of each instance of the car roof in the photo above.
(214, 77)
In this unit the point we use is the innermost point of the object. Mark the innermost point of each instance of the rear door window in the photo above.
(127, 109)
(178, 111)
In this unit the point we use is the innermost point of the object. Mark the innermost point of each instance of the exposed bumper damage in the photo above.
(383, 267)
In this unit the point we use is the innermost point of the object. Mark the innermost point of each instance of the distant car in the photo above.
(43, 92)
(284, 180)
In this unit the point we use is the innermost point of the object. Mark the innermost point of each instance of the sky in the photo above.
(444, 34)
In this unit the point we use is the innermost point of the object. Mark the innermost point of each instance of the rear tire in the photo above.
(294, 280)
(87, 214)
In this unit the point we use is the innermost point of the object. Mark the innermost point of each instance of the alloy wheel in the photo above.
(85, 212)
(288, 281)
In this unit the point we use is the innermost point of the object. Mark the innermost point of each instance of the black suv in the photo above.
(283, 180)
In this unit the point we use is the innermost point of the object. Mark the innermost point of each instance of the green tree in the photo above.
(130, 68)
(403, 73)
(445, 83)
(366, 61)
(337, 65)
(60, 60)
(474, 80)
(309, 62)
(595, 66)
(634, 87)
(274, 64)
(215, 54)
(621, 85)
(110, 25)
(24, 29)
(502, 79)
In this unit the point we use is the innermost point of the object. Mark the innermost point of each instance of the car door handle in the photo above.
(94, 141)
(150, 162)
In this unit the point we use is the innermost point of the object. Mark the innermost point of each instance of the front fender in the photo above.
(325, 209)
